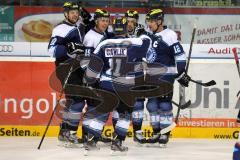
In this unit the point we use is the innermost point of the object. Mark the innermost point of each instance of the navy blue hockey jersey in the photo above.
(168, 52)
(115, 58)
(63, 34)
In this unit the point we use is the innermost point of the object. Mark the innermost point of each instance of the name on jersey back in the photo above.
(116, 52)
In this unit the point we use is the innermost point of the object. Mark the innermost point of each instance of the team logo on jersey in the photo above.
(116, 52)
(151, 55)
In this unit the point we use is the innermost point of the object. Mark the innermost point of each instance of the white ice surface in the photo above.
(178, 149)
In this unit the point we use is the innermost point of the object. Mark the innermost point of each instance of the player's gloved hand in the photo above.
(86, 16)
(75, 48)
(139, 30)
(184, 79)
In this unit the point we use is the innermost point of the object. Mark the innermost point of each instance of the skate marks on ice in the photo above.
(177, 149)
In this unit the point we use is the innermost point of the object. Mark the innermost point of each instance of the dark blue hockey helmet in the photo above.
(132, 14)
(119, 25)
(67, 6)
(155, 14)
(101, 13)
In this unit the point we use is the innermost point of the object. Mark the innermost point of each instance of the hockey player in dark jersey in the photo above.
(92, 38)
(113, 56)
(138, 109)
(65, 43)
(132, 17)
(170, 53)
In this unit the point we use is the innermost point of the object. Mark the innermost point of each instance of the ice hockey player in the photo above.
(132, 17)
(112, 53)
(97, 34)
(93, 37)
(138, 109)
(65, 43)
(170, 53)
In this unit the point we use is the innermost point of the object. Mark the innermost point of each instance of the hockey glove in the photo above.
(86, 16)
(75, 48)
(139, 30)
(184, 79)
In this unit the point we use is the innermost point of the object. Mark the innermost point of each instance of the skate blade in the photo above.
(85, 152)
(61, 143)
(152, 145)
(90, 151)
(106, 143)
(137, 144)
(163, 145)
(73, 145)
(118, 153)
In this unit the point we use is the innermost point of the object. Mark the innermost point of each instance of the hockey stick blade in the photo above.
(207, 84)
(169, 128)
(186, 105)
(183, 106)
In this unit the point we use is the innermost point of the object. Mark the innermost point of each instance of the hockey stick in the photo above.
(58, 101)
(237, 63)
(187, 66)
(173, 125)
(183, 106)
(182, 89)
(238, 69)
(236, 60)
(206, 84)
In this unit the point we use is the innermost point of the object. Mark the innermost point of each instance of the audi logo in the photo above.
(6, 48)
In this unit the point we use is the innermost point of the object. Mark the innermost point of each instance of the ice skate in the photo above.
(90, 144)
(139, 138)
(163, 140)
(153, 141)
(61, 137)
(69, 139)
(118, 147)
